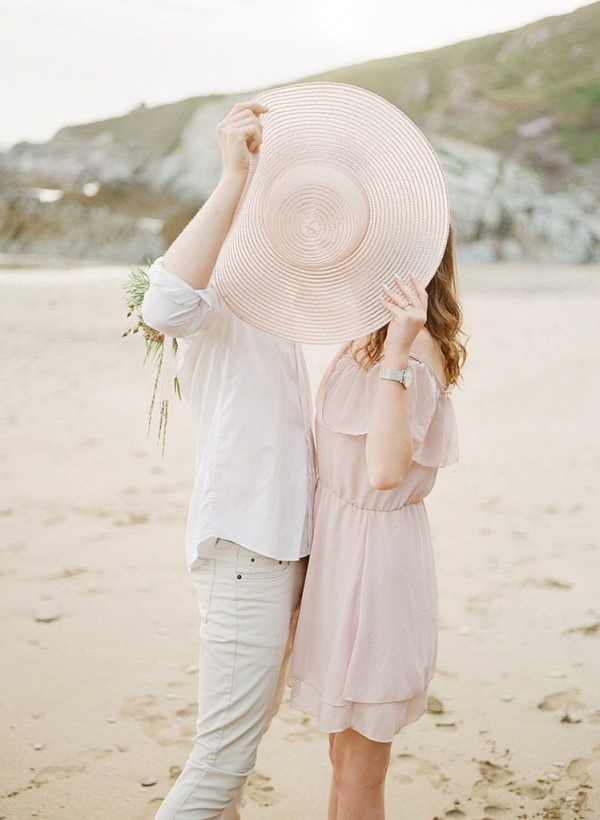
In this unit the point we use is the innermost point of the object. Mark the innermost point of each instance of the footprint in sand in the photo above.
(578, 768)
(405, 768)
(50, 773)
(531, 790)
(454, 814)
(567, 702)
(560, 700)
(501, 777)
(97, 753)
(260, 791)
(164, 729)
(495, 812)
(189, 711)
(587, 629)
(305, 732)
(492, 776)
(477, 604)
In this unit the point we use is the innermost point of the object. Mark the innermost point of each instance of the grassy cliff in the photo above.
(505, 90)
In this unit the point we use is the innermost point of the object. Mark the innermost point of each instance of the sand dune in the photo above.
(98, 612)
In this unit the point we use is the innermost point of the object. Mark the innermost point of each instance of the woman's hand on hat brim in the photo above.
(407, 307)
(240, 135)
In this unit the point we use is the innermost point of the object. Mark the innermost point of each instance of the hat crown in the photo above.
(315, 215)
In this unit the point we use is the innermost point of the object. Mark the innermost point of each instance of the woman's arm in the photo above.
(389, 448)
(193, 255)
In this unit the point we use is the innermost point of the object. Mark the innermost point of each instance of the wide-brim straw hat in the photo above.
(345, 193)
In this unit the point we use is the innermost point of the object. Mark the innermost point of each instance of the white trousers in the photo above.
(247, 606)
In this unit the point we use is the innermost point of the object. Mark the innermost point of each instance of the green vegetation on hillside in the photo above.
(159, 127)
(482, 90)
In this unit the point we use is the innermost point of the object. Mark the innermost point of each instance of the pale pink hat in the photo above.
(345, 193)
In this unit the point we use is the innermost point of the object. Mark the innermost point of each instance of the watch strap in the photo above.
(402, 376)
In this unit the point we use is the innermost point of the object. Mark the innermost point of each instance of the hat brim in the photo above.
(345, 193)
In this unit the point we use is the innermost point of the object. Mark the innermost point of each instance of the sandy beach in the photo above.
(98, 613)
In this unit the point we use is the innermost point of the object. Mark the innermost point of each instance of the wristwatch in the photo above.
(403, 376)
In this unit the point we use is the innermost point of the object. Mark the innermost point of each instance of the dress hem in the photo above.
(379, 722)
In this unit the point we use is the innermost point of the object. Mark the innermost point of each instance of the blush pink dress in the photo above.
(365, 647)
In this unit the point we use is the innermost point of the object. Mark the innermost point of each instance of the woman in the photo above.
(366, 643)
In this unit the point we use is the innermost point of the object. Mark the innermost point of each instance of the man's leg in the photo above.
(247, 602)
(234, 809)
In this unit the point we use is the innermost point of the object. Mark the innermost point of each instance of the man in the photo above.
(249, 520)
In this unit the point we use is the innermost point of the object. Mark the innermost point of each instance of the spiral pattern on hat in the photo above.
(315, 215)
(345, 193)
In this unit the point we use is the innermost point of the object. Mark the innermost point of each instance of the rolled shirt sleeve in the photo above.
(175, 308)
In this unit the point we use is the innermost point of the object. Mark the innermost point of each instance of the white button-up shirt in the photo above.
(250, 401)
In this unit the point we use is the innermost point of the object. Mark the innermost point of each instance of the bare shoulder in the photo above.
(426, 348)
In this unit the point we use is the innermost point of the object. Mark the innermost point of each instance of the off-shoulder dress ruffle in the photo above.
(366, 642)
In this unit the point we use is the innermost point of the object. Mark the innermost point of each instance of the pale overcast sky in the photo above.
(69, 61)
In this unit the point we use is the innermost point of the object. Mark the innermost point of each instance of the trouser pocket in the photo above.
(250, 565)
(203, 573)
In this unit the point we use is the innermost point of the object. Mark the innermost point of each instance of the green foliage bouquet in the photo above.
(165, 378)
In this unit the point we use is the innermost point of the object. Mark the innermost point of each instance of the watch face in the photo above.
(408, 376)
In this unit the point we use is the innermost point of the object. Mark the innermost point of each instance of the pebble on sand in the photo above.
(148, 781)
(39, 746)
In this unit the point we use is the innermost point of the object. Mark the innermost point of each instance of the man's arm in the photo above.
(193, 255)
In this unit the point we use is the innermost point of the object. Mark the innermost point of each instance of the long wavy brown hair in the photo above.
(444, 320)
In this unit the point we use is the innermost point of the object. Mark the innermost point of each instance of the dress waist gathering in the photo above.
(323, 486)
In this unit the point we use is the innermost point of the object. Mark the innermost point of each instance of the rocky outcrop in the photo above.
(68, 230)
(527, 190)
(108, 223)
(192, 170)
(500, 207)
(502, 211)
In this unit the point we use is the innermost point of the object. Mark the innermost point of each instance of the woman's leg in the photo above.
(359, 769)
(332, 810)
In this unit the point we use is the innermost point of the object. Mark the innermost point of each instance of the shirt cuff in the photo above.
(179, 291)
